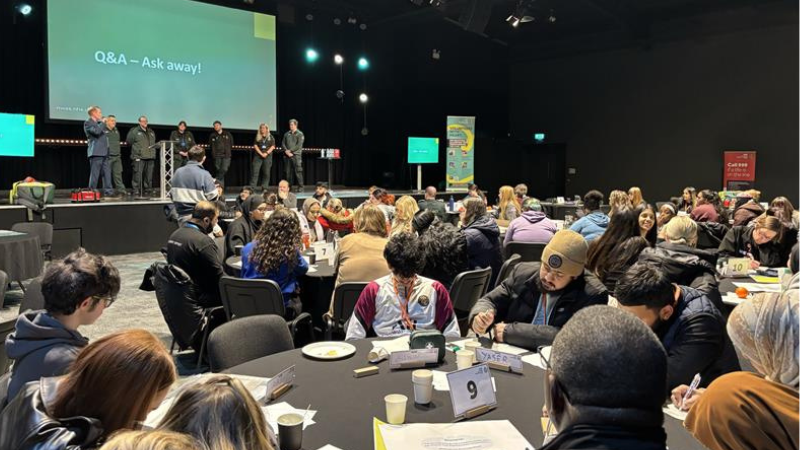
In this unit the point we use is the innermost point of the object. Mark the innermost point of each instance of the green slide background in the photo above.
(236, 83)
(423, 150)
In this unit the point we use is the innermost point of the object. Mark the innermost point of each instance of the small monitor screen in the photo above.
(422, 150)
(16, 134)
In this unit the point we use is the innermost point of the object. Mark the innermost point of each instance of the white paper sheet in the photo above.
(497, 346)
(329, 447)
(732, 299)
(759, 287)
(399, 344)
(473, 435)
(440, 381)
(536, 360)
(674, 412)
(272, 412)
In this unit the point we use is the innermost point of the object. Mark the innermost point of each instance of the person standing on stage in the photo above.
(293, 150)
(221, 143)
(143, 153)
(263, 147)
(115, 154)
(184, 140)
(95, 130)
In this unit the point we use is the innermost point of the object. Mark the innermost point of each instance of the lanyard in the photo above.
(404, 301)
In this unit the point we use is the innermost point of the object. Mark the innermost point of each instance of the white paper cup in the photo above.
(423, 386)
(464, 359)
(473, 346)
(396, 408)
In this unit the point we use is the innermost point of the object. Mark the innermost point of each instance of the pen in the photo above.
(692, 387)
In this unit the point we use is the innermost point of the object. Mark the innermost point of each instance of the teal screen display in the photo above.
(422, 150)
(16, 134)
(169, 60)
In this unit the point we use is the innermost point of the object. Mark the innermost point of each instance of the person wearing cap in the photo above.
(529, 307)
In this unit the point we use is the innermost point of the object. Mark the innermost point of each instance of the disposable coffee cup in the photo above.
(423, 386)
(473, 346)
(290, 431)
(395, 409)
(464, 359)
(312, 258)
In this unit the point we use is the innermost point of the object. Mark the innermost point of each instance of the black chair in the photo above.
(345, 297)
(710, 235)
(246, 339)
(528, 251)
(6, 328)
(33, 299)
(188, 321)
(507, 267)
(43, 230)
(252, 297)
(467, 288)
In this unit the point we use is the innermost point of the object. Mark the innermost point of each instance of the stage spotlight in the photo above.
(25, 9)
(363, 98)
(363, 64)
(363, 27)
(340, 94)
(337, 21)
(352, 20)
(311, 55)
(338, 59)
(309, 17)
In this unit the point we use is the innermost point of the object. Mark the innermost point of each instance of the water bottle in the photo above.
(451, 204)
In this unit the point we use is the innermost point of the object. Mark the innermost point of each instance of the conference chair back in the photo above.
(528, 251)
(467, 288)
(507, 267)
(246, 339)
(245, 297)
(710, 235)
(33, 299)
(6, 328)
(43, 230)
(345, 297)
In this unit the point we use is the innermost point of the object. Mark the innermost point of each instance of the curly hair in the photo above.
(445, 252)
(618, 200)
(277, 242)
(80, 275)
(403, 254)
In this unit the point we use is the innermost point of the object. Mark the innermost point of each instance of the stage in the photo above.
(124, 226)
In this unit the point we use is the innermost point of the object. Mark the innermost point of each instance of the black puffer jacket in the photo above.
(739, 242)
(483, 245)
(27, 424)
(686, 266)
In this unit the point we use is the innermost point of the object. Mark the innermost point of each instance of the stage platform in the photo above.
(127, 225)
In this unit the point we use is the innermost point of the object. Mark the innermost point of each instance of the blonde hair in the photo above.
(681, 230)
(406, 207)
(507, 196)
(635, 195)
(371, 220)
(618, 200)
(220, 412)
(260, 136)
(770, 223)
(152, 440)
(755, 194)
(335, 204)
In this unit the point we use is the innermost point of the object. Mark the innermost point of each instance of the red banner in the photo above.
(739, 170)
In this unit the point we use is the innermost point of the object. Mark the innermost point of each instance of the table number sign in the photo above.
(738, 267)
(280, 383)
(471, 391)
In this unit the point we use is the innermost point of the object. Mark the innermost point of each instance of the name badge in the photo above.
(280, 383)
(499, 360)
(413, 358)
(471, 391)
(263, 146)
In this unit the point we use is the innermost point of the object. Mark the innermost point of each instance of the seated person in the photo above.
(285, 195)
(618, 248)
(483, 237)
(745, 410)
(242, 230)
(666, 212)
(246, 192)
(508, 207)
(151, 440)
(532, 226)
(311, 212)
(444, 248)
(336, 218)
(594, 222)
(405, 208)
(220, 413)
(761, 242)
(430, 203)
(783, 209)
(537, 299)
(402, 302)
(747, 208)
(680, 260)
(690, 327)
(275, 255)
(521, 192)
(112, 385)
(76, 291)
(321, 193)
(225, 211)
(584, 398)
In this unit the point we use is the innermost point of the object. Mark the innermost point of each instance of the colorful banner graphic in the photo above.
(460, 152)
(739, 170)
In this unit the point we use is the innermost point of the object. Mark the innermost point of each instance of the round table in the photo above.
(20, 256)
(346, 405)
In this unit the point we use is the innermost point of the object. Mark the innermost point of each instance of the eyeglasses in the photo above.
(549, 368)
(549, 271)
(107, 300)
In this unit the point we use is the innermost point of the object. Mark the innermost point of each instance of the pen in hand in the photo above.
(690, 391)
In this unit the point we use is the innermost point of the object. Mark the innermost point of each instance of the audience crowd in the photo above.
(628, 296)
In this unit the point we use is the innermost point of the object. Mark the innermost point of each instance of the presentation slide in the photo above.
(169, 60)
(16, 134)
(422, 150)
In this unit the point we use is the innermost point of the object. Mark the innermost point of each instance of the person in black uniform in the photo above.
(221, 143)
(263, 147)
(293, 151)
(184, 140)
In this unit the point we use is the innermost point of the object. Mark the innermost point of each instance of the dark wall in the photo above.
(409, 94)
(661, 118)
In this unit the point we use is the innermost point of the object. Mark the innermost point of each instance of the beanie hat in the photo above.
(566, 252)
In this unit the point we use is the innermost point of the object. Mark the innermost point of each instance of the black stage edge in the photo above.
(122, 227)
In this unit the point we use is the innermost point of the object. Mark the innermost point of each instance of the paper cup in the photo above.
(473, 346)
(395, 409)
(423, 386)
(464, 359)
(290, 431)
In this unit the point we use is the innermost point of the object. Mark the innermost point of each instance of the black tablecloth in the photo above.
(346, 405)
(21, 256)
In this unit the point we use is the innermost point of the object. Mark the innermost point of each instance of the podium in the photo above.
(330, 155)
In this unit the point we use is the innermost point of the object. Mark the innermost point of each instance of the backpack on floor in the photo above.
(33, 194)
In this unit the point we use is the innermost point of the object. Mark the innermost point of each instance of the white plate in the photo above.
(329, 350)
